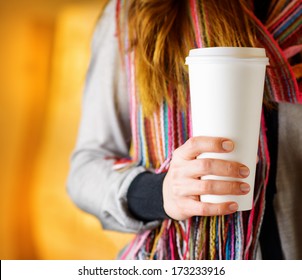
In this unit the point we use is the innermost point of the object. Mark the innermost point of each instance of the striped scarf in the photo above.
(154, 139)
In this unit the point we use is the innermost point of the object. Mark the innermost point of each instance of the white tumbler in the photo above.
(226, 89)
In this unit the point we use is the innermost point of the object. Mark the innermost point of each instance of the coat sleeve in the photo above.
(104, 133)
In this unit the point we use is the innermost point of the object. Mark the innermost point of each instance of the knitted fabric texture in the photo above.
(154, 139)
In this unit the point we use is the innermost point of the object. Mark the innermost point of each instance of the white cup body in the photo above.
(226, 89)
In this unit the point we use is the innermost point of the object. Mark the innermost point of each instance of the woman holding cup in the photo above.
(137, 165)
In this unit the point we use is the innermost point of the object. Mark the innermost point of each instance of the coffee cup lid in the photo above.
(212, 54)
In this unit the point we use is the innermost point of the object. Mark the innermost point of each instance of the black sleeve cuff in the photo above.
(145, 198)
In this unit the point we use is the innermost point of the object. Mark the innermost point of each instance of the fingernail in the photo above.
(233, 207)
(244, 171)
(227, 145)
(245, 188)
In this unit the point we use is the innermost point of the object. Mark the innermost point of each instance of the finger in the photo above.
(210, 166)
(193, 187)
(201, 144)
(198, 208)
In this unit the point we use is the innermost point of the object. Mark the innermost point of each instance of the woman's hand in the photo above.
(182, 185)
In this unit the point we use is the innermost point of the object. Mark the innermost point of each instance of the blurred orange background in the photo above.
(44, 54)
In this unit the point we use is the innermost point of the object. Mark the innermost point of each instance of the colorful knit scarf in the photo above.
(154, 139)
